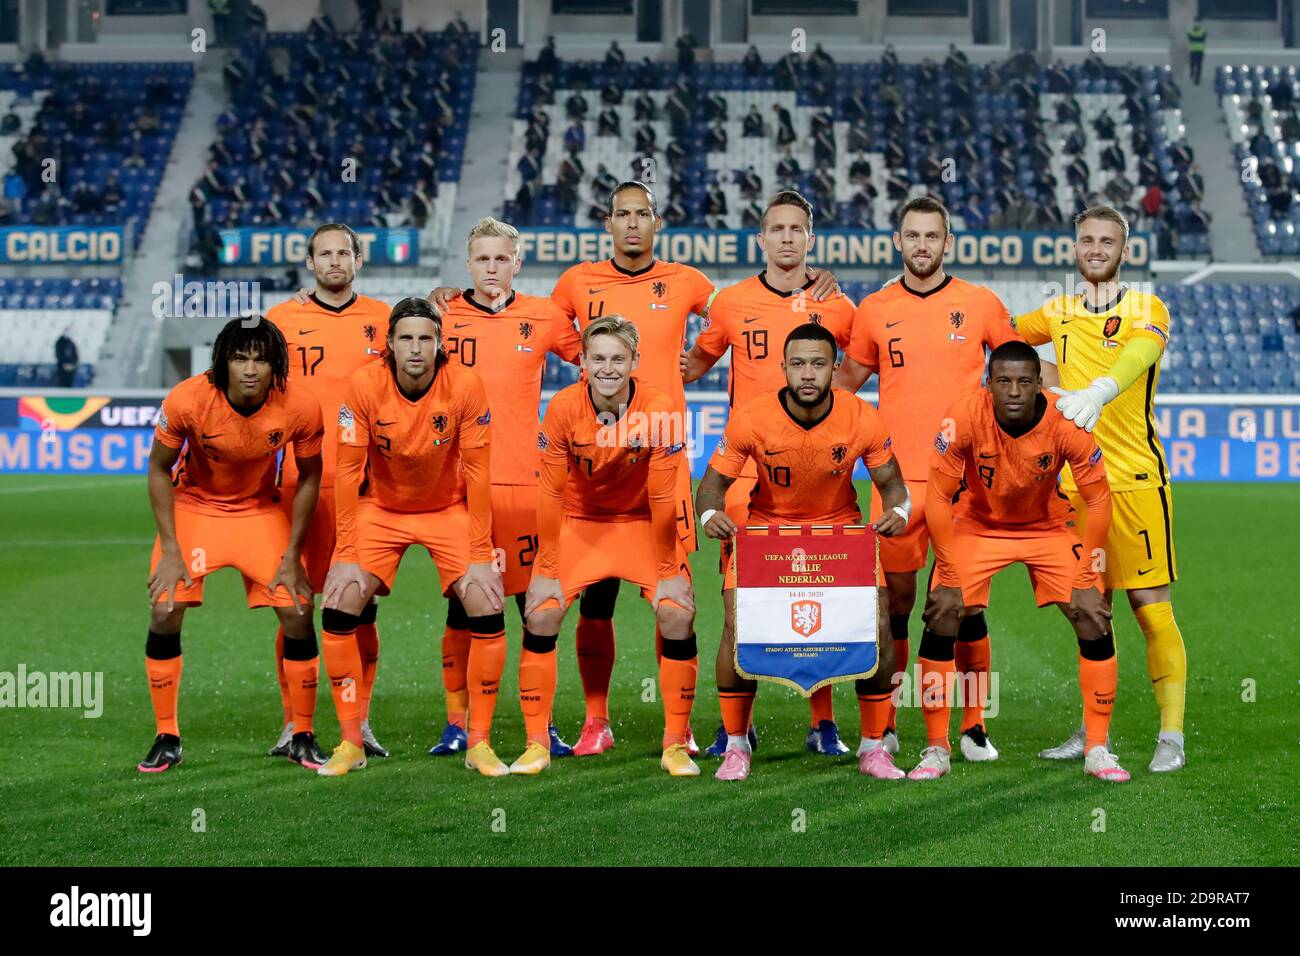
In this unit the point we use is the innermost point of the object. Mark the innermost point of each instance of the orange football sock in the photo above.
(901, 648)
(874, 709)
(537, 674)
(368, 647)
(677, 687)
(936, 704)
(487, 661)
(303, 677)
(285, 698)
(343, 664)
(737, 709)
(821, 705)
(595, 645)
(165, 690)
(1098, 681)
(659, 645)
(455, 661)
(971, 660)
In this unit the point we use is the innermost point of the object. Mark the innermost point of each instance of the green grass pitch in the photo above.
(73, 563)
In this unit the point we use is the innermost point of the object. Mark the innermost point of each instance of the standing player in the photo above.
(330, 334)
(606, 510)
(659, 297)
(750, 318)
(219, 507)
(504, 337)
(1000, 451)
(818, 433)
(410, 426)
(1108, 341)
(925, 337)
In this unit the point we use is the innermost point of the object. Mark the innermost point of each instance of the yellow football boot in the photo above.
(481, 758)
(347, 757)
(677, 761)
(535, 758)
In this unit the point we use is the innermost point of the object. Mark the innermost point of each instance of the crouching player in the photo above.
(999, 452)
(212, 487)
(606, 509)
(411, 425)
(806, 438)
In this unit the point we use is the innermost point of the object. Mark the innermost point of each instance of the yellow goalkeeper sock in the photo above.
(1166, 662)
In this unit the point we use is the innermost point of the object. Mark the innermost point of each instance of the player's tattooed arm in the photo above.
(291, 573)
(712, 496)
(894, 496)
(825, 286)
(851, 374)
(172, 568)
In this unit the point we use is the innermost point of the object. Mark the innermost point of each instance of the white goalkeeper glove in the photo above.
(1084, 406)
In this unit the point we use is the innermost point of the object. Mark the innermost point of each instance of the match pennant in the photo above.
(806, 605)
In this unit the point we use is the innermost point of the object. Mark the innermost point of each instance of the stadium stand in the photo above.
(1042, 142)
(1259, 104)
(35, 312)
(302, 104)
(109, 127)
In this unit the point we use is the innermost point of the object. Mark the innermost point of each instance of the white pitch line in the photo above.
(64, 486)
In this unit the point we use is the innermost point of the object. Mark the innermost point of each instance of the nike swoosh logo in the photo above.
(460, 325)
(393, 422)
(582, 444)
(210, 437)
(778, 452)
(1066, 321)
(994, 455)
(890, 325)
(754, 319)
(1147, 571)
(528, 690)
(306, 331)
(594, 291)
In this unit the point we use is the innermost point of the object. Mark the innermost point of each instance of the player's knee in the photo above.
(477, 605)
(674, 622)
(295, 624)
(335, 621)
(683, 648)
(545, 620)
(1097, 646)
(973, 627)
(457, 619)
(164, 621)
(937, 647)
(902, 592)
(598, 600)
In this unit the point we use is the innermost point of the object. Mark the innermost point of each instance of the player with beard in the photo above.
(1108, 341)
(659, 298)
(749, 318)
(925, 336)
(807, 437)
(331, 332)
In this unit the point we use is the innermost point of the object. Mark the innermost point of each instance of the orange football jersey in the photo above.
(507, 350)
(609, 464)
(929, 350)
(753, 319)
(414, 446)
(228, 465)
(805, 473)
(658, 299)
(326, 345)
(1009, 483)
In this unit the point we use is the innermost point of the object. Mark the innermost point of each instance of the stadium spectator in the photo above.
(753, 124)
(7, 212)
(1279, 202)
(1282, 93)
(1152, 202)
(823, 184)
(897, 186)
(611, 94)
(1190, 184)
(458, 25)
(575, 137)
(1068, 110)
(715, 108)
(1076, 143)
(1059, 80)
(1104, 125)
(368, 14)
(857, 107)
(1077, 173)
(784, 125)
(956, 60)
(1194, 219)
(10, 124)
(1119, 189)
(678, 107)
(751, 214)
(1047, 215)
(675, 215)
(15, 191)
(786, 78)
(530, 165)
(753, 62)
(860, 137)
(644, 108)
(1290, 127)
(645, 73)
(1196, 36)
(685, 53)
(972, 213)
(524, 198)
(749, 183)
(715, 140)
(822, 65)
(422, 202)
(1254, 110)
(220, 11)
(646, 140)
(615, 60)
(788, 170)
(1112, 157)
(889, 64)
(860, 168)
(575, 107)
(715, 201)
(65, 356)
(676, 154)
(547, 59)
(112, 197)
(824, 148)
(608, 123)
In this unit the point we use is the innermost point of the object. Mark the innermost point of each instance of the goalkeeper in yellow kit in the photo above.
(1108, 341)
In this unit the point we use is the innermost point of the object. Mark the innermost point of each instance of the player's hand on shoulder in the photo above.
(485, 577)
(825, 285)
(1088, 609)
(676, 589)
(720, 526)
(342, 576)
(442, 297)
(303, 296)
(166, 578)
(292, 576)
(540, 590)
(943, 608)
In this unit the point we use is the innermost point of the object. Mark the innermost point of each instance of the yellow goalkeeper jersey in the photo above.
(1087, 343)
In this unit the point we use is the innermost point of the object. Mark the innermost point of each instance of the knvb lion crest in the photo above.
(1111, 327)
(839, 453)
(273, 439)
(439, 423)
(957, 319)
(1044, 462)
(525, 330)
(660, 289)
(815, 318)
(806, 617)
(369, 332)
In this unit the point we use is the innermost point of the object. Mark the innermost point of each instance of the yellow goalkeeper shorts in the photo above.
(1140, 545)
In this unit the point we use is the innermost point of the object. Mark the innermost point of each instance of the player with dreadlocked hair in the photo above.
(212, 485)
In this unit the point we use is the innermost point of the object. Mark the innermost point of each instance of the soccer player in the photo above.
(925, 336)
(1108, 341)
(214, 497)
(659, 297)
(807, 437)
(331, 333)
(750, 318)
(999, 451)
(606, 509)
(504, 337)
(415, 427)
